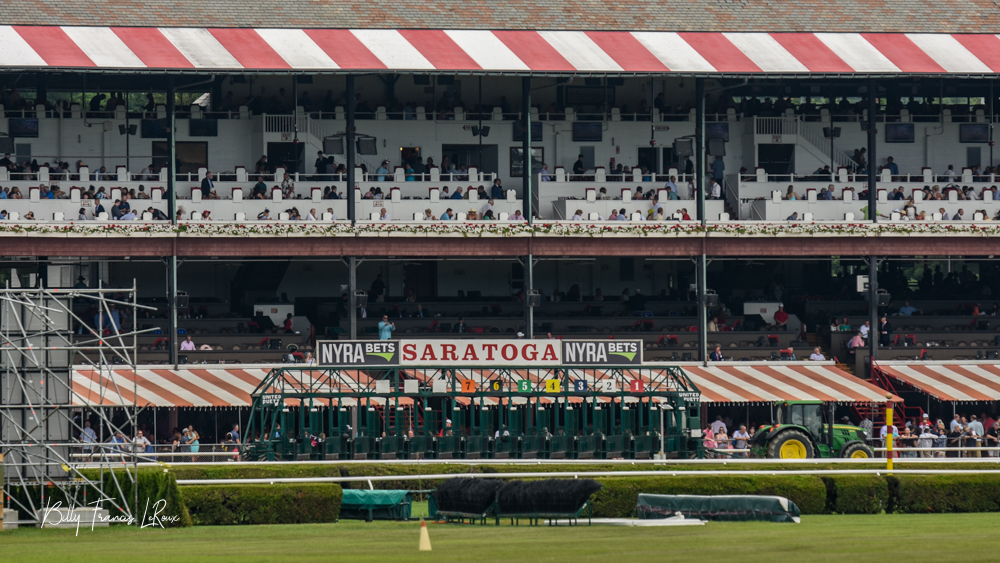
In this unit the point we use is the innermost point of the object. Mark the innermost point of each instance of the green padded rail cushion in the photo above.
(732, 508)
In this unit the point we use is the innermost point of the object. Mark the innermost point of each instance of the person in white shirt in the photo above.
(816, 356)
(926, 440)
(188, 344)
(691, 190)
(950, 173)
(487, 207)
(578, 216)
(384, 216)
(311, 216)
(885, 432)
(140, 443)
(716, 192)
(333, 216)
(719, 425)
(865, 328)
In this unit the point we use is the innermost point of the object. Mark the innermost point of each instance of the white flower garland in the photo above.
(485, 229)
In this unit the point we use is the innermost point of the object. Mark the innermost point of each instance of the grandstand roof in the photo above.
(131, 49)
(832, 16)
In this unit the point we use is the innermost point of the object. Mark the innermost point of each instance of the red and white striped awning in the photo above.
(948, 381)
(141, 48)
(794, 381)
(166, 387)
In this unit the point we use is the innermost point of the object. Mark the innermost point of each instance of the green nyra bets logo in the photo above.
(600, 352)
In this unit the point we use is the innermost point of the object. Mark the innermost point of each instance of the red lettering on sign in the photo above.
(409, 352)
(470, 354)
(509, 352)
(530, 353)
(448, 352)
(550, 353)
(490, 348)
(428, 353)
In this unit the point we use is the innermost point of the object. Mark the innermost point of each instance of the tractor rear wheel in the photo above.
(790, 444)
(857, 451)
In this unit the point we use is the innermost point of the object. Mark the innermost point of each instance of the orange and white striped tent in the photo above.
(200, 387)
(952, 381)
(193, 387)
(767, 382)
(747, 382)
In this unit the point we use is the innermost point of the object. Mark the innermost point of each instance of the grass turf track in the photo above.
(944, 537)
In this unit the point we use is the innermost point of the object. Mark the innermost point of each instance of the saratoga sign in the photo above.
(479, 352)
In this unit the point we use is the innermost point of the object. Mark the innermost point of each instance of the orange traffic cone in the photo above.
(425, 538)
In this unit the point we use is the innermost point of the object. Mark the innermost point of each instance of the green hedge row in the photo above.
(917, 494)
(221, 505)
(841, 494)
(856, 494)
(299, 503)
(155, 484)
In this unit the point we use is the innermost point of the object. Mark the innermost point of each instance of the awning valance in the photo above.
(437, 50)
(765, 383)
(948, 381)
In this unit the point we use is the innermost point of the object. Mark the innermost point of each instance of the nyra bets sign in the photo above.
(483, 353)
(602, 352)
(372, 353)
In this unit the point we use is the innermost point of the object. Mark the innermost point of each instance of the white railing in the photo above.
(279, 123)
(316, 129)
(776, 125)
(817, 140)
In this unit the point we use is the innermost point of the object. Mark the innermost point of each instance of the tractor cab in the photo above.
(808, 415)
(806, 429)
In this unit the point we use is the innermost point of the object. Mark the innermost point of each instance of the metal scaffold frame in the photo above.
(44, 338)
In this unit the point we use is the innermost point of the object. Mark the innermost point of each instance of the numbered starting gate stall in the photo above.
(382, 401)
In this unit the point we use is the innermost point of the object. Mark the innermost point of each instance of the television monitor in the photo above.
(683, 147)
(536, 131)
(974, 133)
(23, 127)
(900, 132)
(203, 127)
(366, 146)
(717, 131)
(154, 128)
(333, 145)
(588, 131)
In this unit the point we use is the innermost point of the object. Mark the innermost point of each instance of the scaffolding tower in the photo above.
(45, 336)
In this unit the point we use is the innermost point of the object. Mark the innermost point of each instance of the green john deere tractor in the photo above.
(805, 429)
